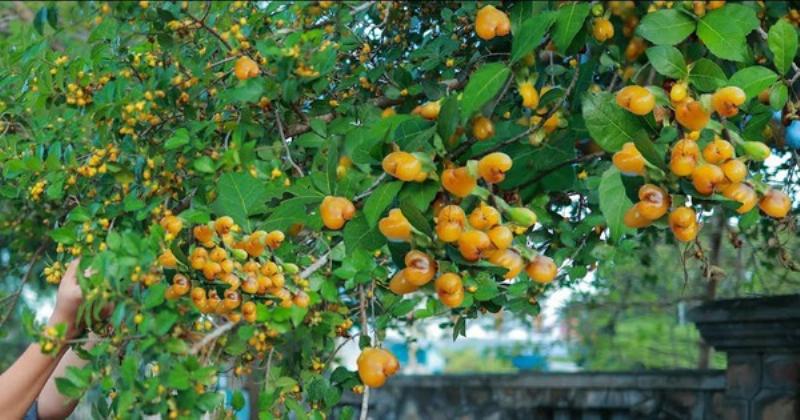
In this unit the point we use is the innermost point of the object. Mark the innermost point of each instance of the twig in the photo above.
(213, 335)
(36, 255)
(364, 6)
(210, 30)
(297, 168)
(553, 110)
(269, 366)
(362, 309)
(371, 188)
(315, 266)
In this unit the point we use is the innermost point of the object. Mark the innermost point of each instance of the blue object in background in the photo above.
(793, 135)
(529, 362)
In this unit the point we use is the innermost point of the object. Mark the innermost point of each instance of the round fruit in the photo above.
(395, 227)
(742, 193)
(336, 211)
(735, 170)
(420, 268)
(706, 178)
(508, 259)
(404, 166)
(450, 223)
(775, 203)
(628, 160)
(634, 218)
(654, 201)
(400, 285)
(458, 181)
(692, 115)
(375, 366)
(245, 68)
(726, 101)
(428, 110)
(472, 244)
(484, 217)
(530, 97)
(542, 269)
(636, 99)
(684, 157)
(678, 93)
(718, 151)
(482, 128)
(491, 22)
(450, 289)
(493, 167)
(602, 30)
(501, 237)
(683, 223)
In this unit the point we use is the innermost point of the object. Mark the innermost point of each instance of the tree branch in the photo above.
(297, 168)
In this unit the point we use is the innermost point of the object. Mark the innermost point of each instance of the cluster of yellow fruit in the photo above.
(716, 169)
(50, 339)
(79, 95)
(222, 257)
(96, 163)
(54, 272)
(35, 191)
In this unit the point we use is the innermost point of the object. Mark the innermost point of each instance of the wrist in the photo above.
(60, 317)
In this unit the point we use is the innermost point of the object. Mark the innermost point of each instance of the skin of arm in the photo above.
(51, 404)
(21, 383)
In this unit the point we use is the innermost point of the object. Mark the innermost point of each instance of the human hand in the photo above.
(68, 300)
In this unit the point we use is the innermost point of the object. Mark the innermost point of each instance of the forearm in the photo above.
(21, 383)
(53, 405)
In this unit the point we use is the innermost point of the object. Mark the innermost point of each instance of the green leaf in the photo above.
(665, 27)
(178, 377)
(333, 162)
(568, 22)
(237, 401)
(67, 388)
(239, 196)
(530, 35)
(724, 31)
(609, 125)
(359, 235)
(65, 235)
(414, 135)
(614, 202)
(39, 20)
(448, 119)
(707, 76)
(248, 91)
(180, 138)
(483, 86)
(782, 41)
(379, 200)
(52, 16)
(521, 11)
(404, 306)
(154, 296)
(416, 218)
(778, 95)
(487, 287)
(164, 322)
(419, 194)
(289, 212)
(648, 150)
(204, 164)
(753, 80)
(668, 61)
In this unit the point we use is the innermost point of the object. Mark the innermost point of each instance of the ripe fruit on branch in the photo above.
(450, 289)
(484, 217)
(602, 30)
(634, 218)
(404, 166)
(395, 227)
(530, 97)
(167, 259)
(683, 223)
(636, 99)
(491, 22)
(628, 160)
(473, 244)
(428, 110)
(450, 223)
(742, 193)
(692, 115)
(735, 170)
(678, 93)
(375, 366)
(542, 269)
(482, 128)
(684, 157)
(718, 151)
(726, 101)
(400, 285)
(458, 181)
(501, 237)
(654, 201)
(336, 211)
(420, 268)
(245, 68)
(775, 203)
(706, 178)
(493, 167)
(508, 259)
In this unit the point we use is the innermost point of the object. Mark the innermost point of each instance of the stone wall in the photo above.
(618, 396)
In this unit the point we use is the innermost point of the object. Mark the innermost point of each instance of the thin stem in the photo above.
(296, 167)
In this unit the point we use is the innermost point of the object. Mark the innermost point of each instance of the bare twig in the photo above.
(362, 310)
(321, 261)
(371, 188)
(278, 121)
(210, 30)
(269, 367)
(213, 335)
(36, 255)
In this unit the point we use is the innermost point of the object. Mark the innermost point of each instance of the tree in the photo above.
(252, 183)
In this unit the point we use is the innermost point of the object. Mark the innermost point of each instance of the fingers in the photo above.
(72, 269)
